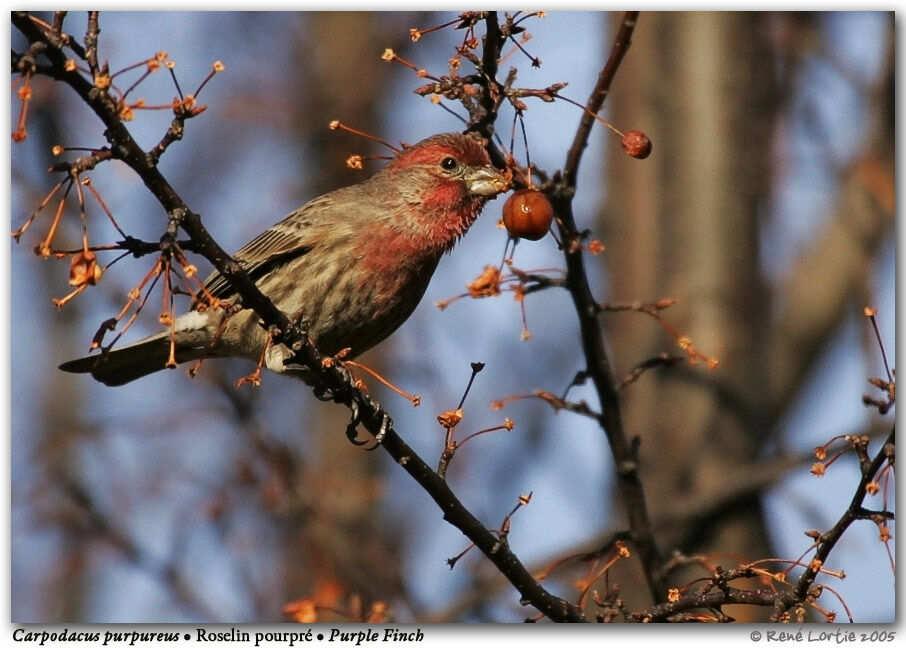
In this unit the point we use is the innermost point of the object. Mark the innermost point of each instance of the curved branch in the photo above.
(333, 377)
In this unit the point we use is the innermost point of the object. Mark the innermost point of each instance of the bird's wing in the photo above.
(290, 238)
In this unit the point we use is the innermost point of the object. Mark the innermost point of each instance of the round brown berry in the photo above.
(637, 144)
(528, 214)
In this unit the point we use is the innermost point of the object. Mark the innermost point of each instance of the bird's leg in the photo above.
(344, 393)
(325, 393)
(354, 421)
(342, 389)
(386, 424)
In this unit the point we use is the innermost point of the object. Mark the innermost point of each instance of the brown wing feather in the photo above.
(290, 238)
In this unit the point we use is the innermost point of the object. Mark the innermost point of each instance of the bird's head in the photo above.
(442, 183)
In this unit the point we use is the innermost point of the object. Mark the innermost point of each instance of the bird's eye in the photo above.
(449, 163)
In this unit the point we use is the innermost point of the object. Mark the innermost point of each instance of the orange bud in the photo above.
(487, 284)
(450, 418)
(84, 269)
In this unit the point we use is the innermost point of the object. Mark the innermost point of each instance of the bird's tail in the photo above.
(128, 363)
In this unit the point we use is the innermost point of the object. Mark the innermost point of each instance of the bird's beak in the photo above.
(488, 181)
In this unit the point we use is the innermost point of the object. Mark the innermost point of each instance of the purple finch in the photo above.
(353, 263)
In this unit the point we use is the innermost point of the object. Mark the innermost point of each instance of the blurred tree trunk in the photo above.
(684, 224)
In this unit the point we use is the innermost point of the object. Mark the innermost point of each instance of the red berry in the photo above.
(637, 144)
(528, 214)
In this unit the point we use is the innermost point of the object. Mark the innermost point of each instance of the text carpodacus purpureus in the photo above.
(353, 263)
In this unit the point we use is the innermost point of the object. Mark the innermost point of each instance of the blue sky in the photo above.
(258, 185)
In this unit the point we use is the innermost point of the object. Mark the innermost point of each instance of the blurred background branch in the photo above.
(765, 211)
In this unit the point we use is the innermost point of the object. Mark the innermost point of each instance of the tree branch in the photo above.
(599, 94)
(598, 363)
(828, 540)
(334, 379)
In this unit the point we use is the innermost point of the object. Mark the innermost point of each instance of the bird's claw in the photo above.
(339, 394)
(386, 424)
(353, 424)
(324, 393)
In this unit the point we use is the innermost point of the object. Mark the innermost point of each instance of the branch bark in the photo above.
(599, 369)
(335, 380)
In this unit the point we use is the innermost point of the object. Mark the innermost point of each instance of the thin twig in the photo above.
(598, 368)
(334, 378)
(599, 94)
(828, 540)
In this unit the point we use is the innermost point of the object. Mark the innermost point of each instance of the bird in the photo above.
(353, 264)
